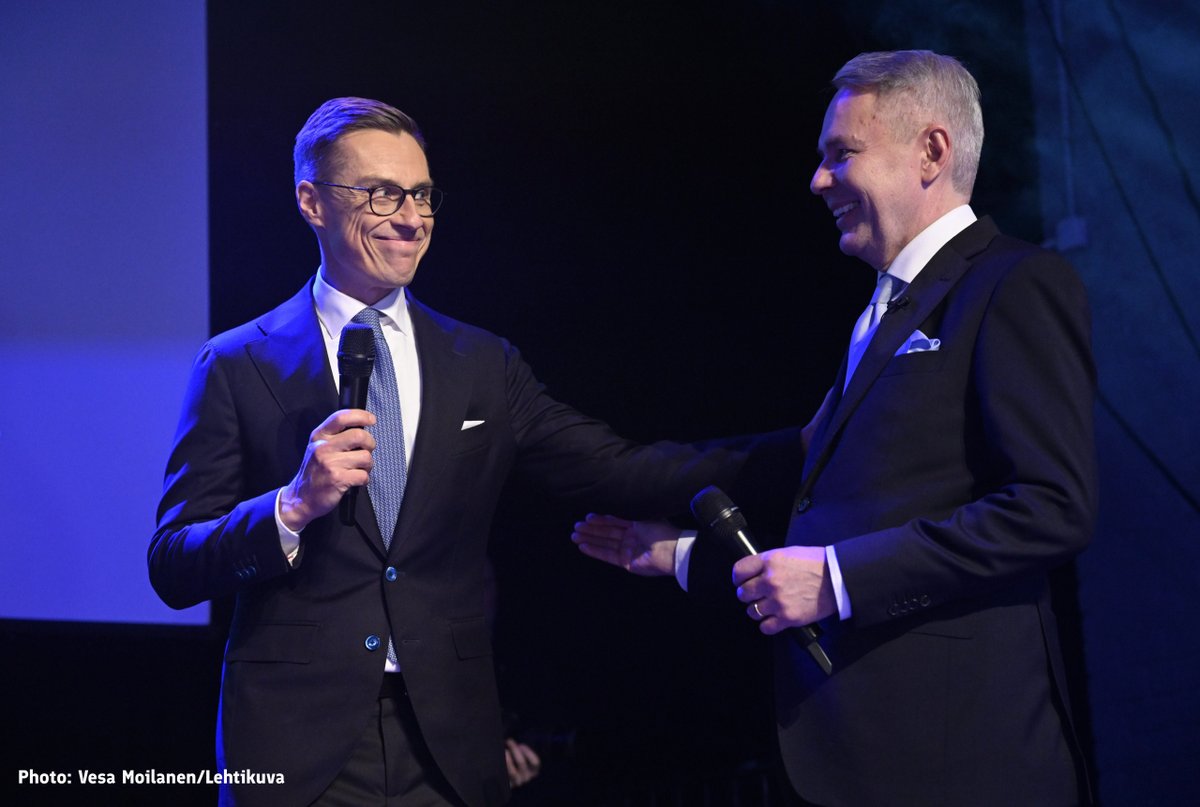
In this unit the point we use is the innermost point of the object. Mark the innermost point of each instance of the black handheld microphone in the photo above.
(356, 358)
(717, 513)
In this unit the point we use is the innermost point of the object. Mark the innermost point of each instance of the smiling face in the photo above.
(872, 181)
(362, 254)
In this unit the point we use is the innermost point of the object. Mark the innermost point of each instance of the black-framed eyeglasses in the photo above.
(384, 200)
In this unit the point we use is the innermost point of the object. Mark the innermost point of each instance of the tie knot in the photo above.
(368, 316)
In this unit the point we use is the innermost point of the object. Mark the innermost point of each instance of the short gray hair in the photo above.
(340, 116)
(917, 86)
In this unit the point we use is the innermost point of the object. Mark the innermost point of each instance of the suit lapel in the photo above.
(926, 293)
(291, 357)
(445, 391)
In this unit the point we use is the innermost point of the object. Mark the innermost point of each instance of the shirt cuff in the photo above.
(839, 586)
(683, 556)
(289, 541)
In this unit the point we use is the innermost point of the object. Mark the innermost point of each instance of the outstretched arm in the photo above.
(645, 548)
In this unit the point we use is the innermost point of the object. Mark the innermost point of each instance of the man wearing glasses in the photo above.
(359, 661)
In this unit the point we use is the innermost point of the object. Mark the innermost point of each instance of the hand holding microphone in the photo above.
(720, 517)
(337, 459)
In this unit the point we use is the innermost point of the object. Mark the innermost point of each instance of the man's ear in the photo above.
(309, 203)
(937, 151)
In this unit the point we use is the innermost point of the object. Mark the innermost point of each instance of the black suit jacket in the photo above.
(950, 482)
(301, 675)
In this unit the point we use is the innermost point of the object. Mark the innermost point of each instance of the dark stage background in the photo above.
(628, 203)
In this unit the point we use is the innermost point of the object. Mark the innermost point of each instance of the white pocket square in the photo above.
(918, 343)
(470, 424)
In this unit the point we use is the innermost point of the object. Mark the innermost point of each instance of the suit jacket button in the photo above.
(372, 642)
(893, 610)
(925, 601)
(390, 574)
(803, 504)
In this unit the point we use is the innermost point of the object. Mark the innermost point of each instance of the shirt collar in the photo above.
(335, 309)
(917, 252)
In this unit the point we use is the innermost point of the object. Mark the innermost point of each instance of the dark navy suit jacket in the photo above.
(950, 482)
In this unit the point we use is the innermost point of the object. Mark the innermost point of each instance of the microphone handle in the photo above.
(353, 396)
(805, 636)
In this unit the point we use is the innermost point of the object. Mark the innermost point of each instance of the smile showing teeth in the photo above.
(838, 212)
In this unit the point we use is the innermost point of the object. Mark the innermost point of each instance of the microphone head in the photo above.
(356, 350)
(714, 510)
(719, 516)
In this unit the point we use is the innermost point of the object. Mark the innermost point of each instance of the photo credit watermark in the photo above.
(150, 776)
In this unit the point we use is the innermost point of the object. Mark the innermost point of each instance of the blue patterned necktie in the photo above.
(386, 483)
(388, 477)
(887, 288)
